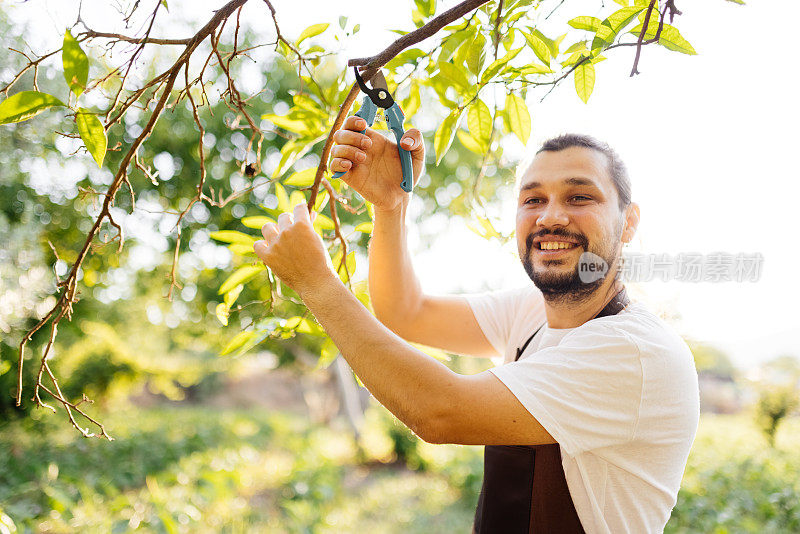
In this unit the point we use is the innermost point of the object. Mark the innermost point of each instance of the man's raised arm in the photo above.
(373, 169)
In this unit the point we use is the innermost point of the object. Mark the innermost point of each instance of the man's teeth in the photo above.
(554, 245)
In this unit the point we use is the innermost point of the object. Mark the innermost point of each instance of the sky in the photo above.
(709, 141)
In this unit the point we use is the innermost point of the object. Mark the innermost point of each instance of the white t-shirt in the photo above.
(619, 394)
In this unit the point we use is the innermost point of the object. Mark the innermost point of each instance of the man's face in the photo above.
(567, 205)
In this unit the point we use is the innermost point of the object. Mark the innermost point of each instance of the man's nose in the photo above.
(552, 214)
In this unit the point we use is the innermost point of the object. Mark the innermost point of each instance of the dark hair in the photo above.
(616, 168)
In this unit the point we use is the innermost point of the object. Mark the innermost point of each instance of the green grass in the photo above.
(193, 469)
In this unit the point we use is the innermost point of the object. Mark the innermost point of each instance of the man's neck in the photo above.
(563, 313)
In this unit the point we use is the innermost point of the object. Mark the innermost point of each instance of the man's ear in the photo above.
(631, 222)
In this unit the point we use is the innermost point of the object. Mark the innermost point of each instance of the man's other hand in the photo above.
(295, 252)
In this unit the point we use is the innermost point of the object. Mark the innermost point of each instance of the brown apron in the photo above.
(524, 488)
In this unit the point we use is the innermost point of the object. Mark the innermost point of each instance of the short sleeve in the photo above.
(586, 391)
(498, 312)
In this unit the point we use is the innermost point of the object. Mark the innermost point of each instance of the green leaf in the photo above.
(26, 104)
(256, 221)
(449, 46)
(670, 38)
(496, 66)
(222, 312)
(323, 222)
(455, 75)
(479, 122)
(461, 55)
(76, 64)
(311, 31)
(306, 103)
(584, 80)
(519, 118)
(296, 199)
(327, 355)
(585, 23)
(614, 24)
(426, 7)
(283, 199)
(240, 276)
(348, 269)
(623, 16)
(237, 341)
(470, 142)
(533, 68)
(361, 291)
(291, 151)
(575, 58)
(410, 55)
(580, 45)
(411, 104)
(322, 198)
(292, 125)
(307, 326)
(232, 236)
(93, 134)
(540, 46)
(440, 84)
(445, 134)
(232, 295)
(302, 178)
(476, 56)
(241, 249)
(365, 227)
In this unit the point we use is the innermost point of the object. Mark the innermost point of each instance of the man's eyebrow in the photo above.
(568, 181)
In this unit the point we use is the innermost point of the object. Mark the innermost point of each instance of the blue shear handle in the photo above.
(367, 112)
(394, 116)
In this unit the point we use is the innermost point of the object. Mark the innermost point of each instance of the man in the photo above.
(590, 428)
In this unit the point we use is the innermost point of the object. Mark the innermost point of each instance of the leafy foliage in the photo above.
(774, 404)
(194, 469)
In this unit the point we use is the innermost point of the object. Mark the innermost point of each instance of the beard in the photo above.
(565, 285)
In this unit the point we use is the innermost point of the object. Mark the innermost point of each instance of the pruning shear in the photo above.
(378, 96)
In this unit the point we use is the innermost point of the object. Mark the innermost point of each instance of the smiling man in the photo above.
(589, 421)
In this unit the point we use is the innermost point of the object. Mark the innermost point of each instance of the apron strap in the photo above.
(524, 488)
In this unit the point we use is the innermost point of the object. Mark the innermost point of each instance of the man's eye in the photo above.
(533, 201)
(581, 198)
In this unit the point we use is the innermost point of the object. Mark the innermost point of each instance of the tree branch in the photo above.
(91, 34)
(63, 305)
(418, 35)
(376, 62)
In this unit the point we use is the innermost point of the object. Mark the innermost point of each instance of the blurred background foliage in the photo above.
(266, 438)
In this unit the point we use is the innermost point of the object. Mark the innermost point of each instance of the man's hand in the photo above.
(295, 252)
(372, 163)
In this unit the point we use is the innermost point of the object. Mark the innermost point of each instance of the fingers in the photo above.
(340, 165)
(301, 214)
(269, 231)
(351, 153)
(355, 123)
(284, 221)
(356, 139)
(412, 139)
